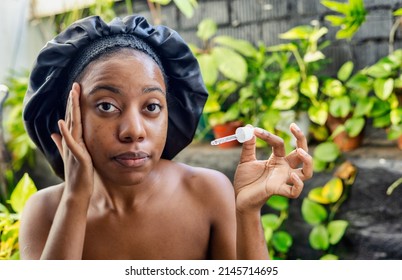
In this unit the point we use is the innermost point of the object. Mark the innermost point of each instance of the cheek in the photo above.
(94, 135)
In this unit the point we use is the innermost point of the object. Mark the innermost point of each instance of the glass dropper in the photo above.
(242, 135)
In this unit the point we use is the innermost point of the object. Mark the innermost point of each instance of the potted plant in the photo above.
(224, 69)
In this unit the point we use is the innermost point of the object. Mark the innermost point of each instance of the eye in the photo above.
(106, 107)
(153, 108)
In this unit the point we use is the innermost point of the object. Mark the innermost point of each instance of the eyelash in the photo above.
(153, 105)
(106, 103)
(147, 107)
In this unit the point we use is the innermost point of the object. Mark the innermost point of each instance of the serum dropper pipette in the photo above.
(242, 135)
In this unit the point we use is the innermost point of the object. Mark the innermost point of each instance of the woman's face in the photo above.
(124, 116)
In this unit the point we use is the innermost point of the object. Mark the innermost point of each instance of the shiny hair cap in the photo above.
(58, 64)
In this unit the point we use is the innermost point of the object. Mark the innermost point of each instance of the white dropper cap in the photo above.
(244, 133)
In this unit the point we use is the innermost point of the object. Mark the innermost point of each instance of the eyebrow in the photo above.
(117, 91)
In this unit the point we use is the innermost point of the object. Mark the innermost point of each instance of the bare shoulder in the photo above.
(205, 182)
(37, 218)
(207, 186)
(45, 200)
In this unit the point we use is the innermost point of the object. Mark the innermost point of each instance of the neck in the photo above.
(121, 198)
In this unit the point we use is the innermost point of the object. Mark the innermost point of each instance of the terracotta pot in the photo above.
(399, 141)
(343, 140)
(222, 130)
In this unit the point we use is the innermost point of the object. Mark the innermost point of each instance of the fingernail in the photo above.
(262, 131)
(303, 152)
(296, 127)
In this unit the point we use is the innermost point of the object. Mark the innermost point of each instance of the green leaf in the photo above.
(212, 105)
(354, 126)
(382, 121)
(289, 80)
(383, 88)
(161, 2)
(333, 88)
(3, 209)
(342, 8)
(318, 115)
(318, 238)
(335, 20)
(208, 67)
(340, 106)
(336, 230)
(363, 107)
(231, 64)
(312, 212)
(394, 132)
(313, 56)
(327, 152)
(397, 12)
(242, 46)
(186, 7)
(282, 48)
(396, 116)
(268, 233)
(316, 196)
(309, 87)
(329, 257)
(333, 189)
(24, 189)
(319, 165)
(285, 100)
(278, 202)
(270, 221)
(345, 71)
(282, 241)
(379, 70)
(380, 108)
(206, 29)
(297, 33)
(360, 84)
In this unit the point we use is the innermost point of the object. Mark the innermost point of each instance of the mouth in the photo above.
(132, 159)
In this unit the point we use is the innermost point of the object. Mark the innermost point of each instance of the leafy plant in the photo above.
(319, 209)
(278, 240)
(224, 69)
(19, 144)
(186, 7)
(321, 206)
(353, 16)
(103, 8)
(10, 218)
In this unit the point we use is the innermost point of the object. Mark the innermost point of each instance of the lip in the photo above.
(131, 159)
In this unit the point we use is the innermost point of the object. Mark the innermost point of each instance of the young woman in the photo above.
(110, 105)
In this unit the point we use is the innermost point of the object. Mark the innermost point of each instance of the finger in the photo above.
(69, 141)
(76, 124)
(296, 189)
(248, 150)
(277, 143)
(307, 160)
(57, 139)
(306, 171)
(301, 140)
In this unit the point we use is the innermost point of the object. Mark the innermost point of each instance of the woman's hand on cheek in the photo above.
(257, 180)
(78, 168)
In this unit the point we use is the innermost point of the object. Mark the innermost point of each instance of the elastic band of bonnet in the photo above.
(102, 46)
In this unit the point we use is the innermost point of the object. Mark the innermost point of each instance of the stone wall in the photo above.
(264, 20)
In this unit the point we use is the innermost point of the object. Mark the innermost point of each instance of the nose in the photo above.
(131, 128)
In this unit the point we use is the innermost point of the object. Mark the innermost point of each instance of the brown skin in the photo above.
(121, 201)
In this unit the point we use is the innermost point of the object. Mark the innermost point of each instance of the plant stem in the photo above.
(394, 186)
(392, 34)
